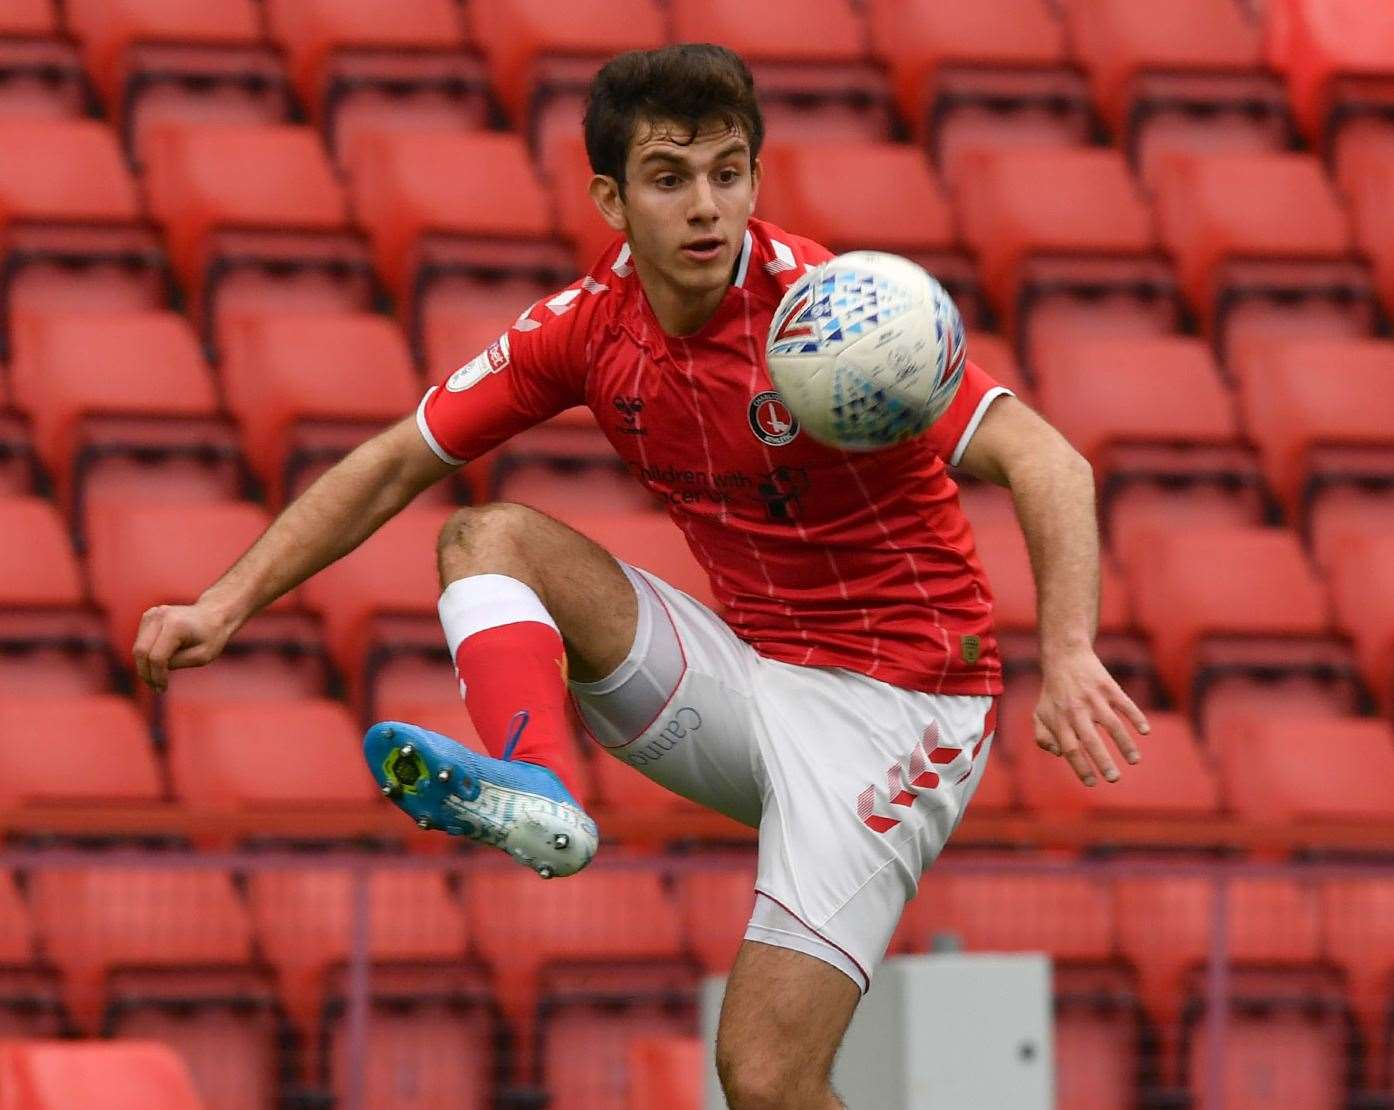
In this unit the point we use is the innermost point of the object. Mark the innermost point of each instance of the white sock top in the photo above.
(484, 601)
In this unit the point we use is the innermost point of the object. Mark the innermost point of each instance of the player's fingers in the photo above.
(1073, 752)
(1125, 705)
(1045, 739)
(196, 655)
(1083, 720)
(146, 634)
(168, 641)
(1107, 715)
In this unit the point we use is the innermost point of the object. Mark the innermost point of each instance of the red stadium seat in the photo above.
(107, 754)
(255, 219)
(1349, 513)
(70, 223)
(1322, 413)
(146, 428)
(53, 644)
(716, 904)
(376, 63)
(379, 603)
(568, 180)
(431, 240)
(994, 354)
(625, 789)
(308, 388)
(666, 1071)
(134, 565)
(1186, 77)
(649, 541)
(158, 60)
(304, 924)
(135, 1075)
(1064, 242)
(1174, 780)
(837, 193)
(996, 75)
(30, 1001)
(1361, 576)
(542, 56)
(1229, 604)
(588, 1043)
(1337, 58)
(1358, 933)
(1251, 233)
(220, 754)
(809, 59)
(1373, 222)
(1275, 768)
(40, 75)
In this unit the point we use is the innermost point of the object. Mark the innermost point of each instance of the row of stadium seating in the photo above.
(225, 973)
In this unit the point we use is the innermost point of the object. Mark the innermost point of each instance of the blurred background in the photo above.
(237, 236)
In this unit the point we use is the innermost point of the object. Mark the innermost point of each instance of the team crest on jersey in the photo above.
(490, 361)
(771, 420)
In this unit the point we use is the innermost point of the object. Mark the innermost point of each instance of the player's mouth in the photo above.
(703, 250)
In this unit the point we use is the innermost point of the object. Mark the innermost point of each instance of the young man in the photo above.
(845, 704)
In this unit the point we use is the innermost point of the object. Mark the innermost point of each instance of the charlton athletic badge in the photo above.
(771, 420)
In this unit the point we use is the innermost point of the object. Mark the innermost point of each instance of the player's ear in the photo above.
(605, 192)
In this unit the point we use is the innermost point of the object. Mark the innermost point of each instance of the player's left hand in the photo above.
(1078, 698)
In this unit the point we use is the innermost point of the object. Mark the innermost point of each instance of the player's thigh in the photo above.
(782, 1019)
(580, 583)
(865, 785)
(680, 708)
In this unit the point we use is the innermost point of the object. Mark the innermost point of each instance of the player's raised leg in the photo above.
(782, 1020)
(524, 599)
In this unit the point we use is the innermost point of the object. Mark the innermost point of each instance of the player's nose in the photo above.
(704, 206)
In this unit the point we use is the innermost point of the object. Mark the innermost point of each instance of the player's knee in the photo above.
(477, 530)
(755, 1078)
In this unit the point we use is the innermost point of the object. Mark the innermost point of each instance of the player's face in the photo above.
(684, 211)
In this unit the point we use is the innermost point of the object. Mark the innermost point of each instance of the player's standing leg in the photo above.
(524, 597)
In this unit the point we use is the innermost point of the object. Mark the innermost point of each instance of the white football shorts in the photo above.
(855, 785)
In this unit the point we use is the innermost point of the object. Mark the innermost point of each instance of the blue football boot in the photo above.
(519, 807)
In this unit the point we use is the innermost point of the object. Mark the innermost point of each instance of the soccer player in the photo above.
(844, 703)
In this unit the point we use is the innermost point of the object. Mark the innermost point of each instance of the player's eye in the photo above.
(667, 181)
(729, 176)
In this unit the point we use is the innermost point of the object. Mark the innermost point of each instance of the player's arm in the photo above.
(1052, 488)
(345, 506)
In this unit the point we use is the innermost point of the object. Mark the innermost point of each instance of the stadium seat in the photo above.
(650, 541)
(1262, 245)
(31, 1004)
(1153, 416)
(625, 789)
(70, 230)
(716, 903)
(576, 942)
(1064, 242)
(568, 176)
(1357, 917)
(996, 75)
(1347, 513)
(1234, 606)
(50, 642)
(1284, 769)
(304, 922)
(158, 60)
(40, 74)
(134, 564)
(308, 388)
(107, 755)
(994, 354)
(1361, 577)
(666, 1071)
(436, 245)
(1187, 77)
(1322, 413)
(1337, 59)
(809, 59)
(837, 193)
(123, 1075)
(255, 219)
(223, 757)
(542, 56)
(1174, 780)
(1373, 223)
(146, 428)
(376, 63)
(379, 603)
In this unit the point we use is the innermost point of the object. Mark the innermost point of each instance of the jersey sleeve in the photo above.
(531, 372)
(949, 435)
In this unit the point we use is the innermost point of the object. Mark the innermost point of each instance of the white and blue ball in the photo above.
(867, 350)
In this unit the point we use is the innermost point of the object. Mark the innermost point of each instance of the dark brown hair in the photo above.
(690, 84)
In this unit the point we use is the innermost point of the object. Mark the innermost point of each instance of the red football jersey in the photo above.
(820, 557)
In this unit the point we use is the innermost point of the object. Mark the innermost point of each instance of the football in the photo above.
(866, 350)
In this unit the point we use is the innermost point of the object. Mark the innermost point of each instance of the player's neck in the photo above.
(679, 311)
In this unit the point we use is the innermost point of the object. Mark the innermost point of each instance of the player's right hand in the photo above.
(173, 636)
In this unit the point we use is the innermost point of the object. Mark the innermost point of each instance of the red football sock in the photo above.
(510, 661)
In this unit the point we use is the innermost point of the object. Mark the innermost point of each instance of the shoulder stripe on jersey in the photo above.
(621, 264)
(746, 247)
(783, 258)
(978, 414)
(431, 441)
